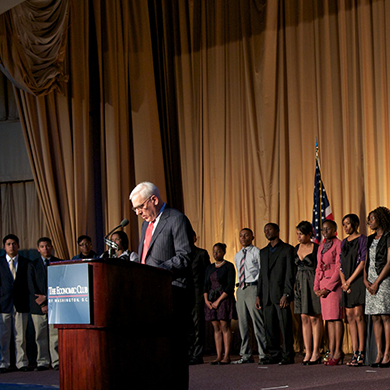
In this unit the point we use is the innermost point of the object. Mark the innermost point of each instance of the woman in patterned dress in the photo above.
(377, 282)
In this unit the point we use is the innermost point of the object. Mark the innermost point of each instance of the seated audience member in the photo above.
(327, 287)
(120, 238)
(46, 336)
(14, 305)
(219, 302)
(85, 244)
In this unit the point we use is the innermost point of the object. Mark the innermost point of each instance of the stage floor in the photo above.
(246, 376)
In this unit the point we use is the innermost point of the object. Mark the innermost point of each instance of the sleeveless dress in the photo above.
(305, 300)
(349, 260)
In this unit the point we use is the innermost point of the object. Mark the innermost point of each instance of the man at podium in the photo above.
(166, 242)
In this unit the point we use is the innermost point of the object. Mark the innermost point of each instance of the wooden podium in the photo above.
(128, 340)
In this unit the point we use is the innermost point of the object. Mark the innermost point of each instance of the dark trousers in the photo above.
(196, 335)
(278, 321)
(181, 320)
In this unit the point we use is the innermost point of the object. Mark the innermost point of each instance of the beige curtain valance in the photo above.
(33, 43)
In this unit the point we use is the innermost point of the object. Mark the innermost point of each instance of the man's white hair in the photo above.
(145, 189)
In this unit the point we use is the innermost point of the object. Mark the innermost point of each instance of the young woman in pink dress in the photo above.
(327, 286)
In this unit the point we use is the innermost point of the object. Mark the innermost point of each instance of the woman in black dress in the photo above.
(219, 301)
(306, 303)
(352, 261)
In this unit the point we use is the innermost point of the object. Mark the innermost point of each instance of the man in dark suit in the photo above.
(274, 294)
(200, 261)
(14, 305)
(166, 242)
(46, 336)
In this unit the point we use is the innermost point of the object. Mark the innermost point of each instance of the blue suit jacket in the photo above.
(171, 245)
(14, 293)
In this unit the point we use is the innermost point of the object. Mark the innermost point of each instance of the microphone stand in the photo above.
(112, 246)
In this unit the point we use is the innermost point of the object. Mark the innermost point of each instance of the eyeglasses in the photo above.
(85, 244)
(136, 209)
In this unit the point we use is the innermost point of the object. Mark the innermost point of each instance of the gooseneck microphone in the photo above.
(124, 223)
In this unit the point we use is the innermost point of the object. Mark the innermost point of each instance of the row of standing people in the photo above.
(322, 280)
(24, 292)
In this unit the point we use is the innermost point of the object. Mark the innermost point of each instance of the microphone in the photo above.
(112, 245)
(124, 223)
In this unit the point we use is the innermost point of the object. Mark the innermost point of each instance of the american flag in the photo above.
(321, 205)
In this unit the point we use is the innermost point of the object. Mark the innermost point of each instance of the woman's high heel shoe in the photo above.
(354, 359)
(312, 363)
(326, 357)
(360, 358)
(335, 362)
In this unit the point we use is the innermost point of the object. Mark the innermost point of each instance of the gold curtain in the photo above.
(256, 83)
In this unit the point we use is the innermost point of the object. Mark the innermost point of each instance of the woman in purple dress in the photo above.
(219, 300)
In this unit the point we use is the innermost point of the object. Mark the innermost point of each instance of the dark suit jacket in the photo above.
(276, 274)
(171, 245)
(200, 260)
(37, 281)
(14, 292)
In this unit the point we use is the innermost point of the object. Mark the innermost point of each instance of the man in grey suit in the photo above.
(166, 242)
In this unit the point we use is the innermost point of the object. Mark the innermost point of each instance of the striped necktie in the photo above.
(242, 270)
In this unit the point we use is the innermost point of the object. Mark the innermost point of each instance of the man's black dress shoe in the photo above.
(285, 361)
(41, 368)
(3, 370)
(269, 360)
(23, 369)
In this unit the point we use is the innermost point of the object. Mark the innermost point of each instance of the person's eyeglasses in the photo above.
(136, 209)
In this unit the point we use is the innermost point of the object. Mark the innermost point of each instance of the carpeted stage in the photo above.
(247, 376)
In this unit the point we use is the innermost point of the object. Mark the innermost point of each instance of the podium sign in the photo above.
(69, 294)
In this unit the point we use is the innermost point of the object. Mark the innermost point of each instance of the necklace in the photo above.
(219, 264)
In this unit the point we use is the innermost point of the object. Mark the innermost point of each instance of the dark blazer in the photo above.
(381, 251)
(277, 274)
(200, 260)
(171, 245)
(37, 281)
(14, 292)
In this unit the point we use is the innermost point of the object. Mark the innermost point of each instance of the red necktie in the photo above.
(148, 238)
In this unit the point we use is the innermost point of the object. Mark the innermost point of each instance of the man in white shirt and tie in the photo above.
(247, 262)
(14, 304)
